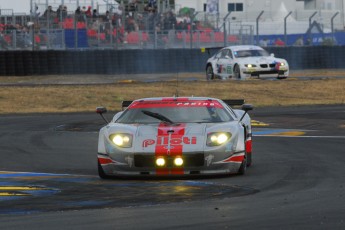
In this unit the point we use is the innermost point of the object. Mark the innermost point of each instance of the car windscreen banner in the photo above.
(161, 104)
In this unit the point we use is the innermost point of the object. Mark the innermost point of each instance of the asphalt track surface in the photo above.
(48, 178)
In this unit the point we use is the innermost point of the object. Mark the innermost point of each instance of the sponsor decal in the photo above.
(148, 142)
(279, 67)
(175, 103)
(130, 161)
(229, 69)
(209, 159)
(170, 141)
(219, 68)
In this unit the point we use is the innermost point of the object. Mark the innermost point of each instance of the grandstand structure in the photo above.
(162, 24)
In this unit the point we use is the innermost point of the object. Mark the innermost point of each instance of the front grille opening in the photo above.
(193, 160)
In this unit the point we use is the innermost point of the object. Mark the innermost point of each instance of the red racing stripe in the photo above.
(169, 144)
(238, 159)
(249, 146)
(104, 161)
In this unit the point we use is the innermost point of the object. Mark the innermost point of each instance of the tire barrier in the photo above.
(69, 62)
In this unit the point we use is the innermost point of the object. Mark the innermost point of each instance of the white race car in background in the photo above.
(244, 61)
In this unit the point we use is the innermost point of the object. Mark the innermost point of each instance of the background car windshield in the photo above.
(177, 115)
(251, 53)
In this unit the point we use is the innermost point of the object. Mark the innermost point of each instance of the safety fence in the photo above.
(72, 32)
(65, 25)
(149, 61)
(83, 38)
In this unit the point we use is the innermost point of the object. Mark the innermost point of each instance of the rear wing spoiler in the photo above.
(211, 49)
(125, 104)
(230, 102)
(234, 102)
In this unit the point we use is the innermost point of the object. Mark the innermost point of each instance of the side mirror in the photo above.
(272, 54)
(227, 57)
(100, 111)
(247, 107)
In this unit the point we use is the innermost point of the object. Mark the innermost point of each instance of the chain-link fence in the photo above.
(84, 25)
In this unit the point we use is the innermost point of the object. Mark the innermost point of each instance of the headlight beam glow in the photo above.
(160, 161)
(215, 139)
(178, 161)
(121, 140)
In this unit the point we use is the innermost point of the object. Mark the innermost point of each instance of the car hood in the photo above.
(191, 137)
(259, 60)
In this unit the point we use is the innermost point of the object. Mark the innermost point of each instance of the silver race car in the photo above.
(176, 136)
(241, 62)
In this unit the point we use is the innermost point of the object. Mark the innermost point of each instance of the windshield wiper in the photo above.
(157, 116)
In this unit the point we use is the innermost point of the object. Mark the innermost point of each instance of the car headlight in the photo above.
(215, 139)
(123, 140)
(282, 64)
(249, 65)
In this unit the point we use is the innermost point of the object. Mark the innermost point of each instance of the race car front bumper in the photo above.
(193, 164)
(266, 69)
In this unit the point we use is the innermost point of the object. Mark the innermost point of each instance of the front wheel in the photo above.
(249, 159)
(282, 75)
(209, 73)
(243, 168)
(237, 72)
(101, 172)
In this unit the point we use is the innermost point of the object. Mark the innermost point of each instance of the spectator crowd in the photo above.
(113, 24)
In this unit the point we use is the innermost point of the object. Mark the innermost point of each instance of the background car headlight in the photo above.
(123, 140)
(249, 65)
(215, 139)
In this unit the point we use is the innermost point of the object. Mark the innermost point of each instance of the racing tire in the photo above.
(249, 159)
(281, 75)
(209, 73)
(243, 168)
(237, 72)
(101, 172)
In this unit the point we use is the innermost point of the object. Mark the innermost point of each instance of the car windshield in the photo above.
(183, 114)
(250, 53)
